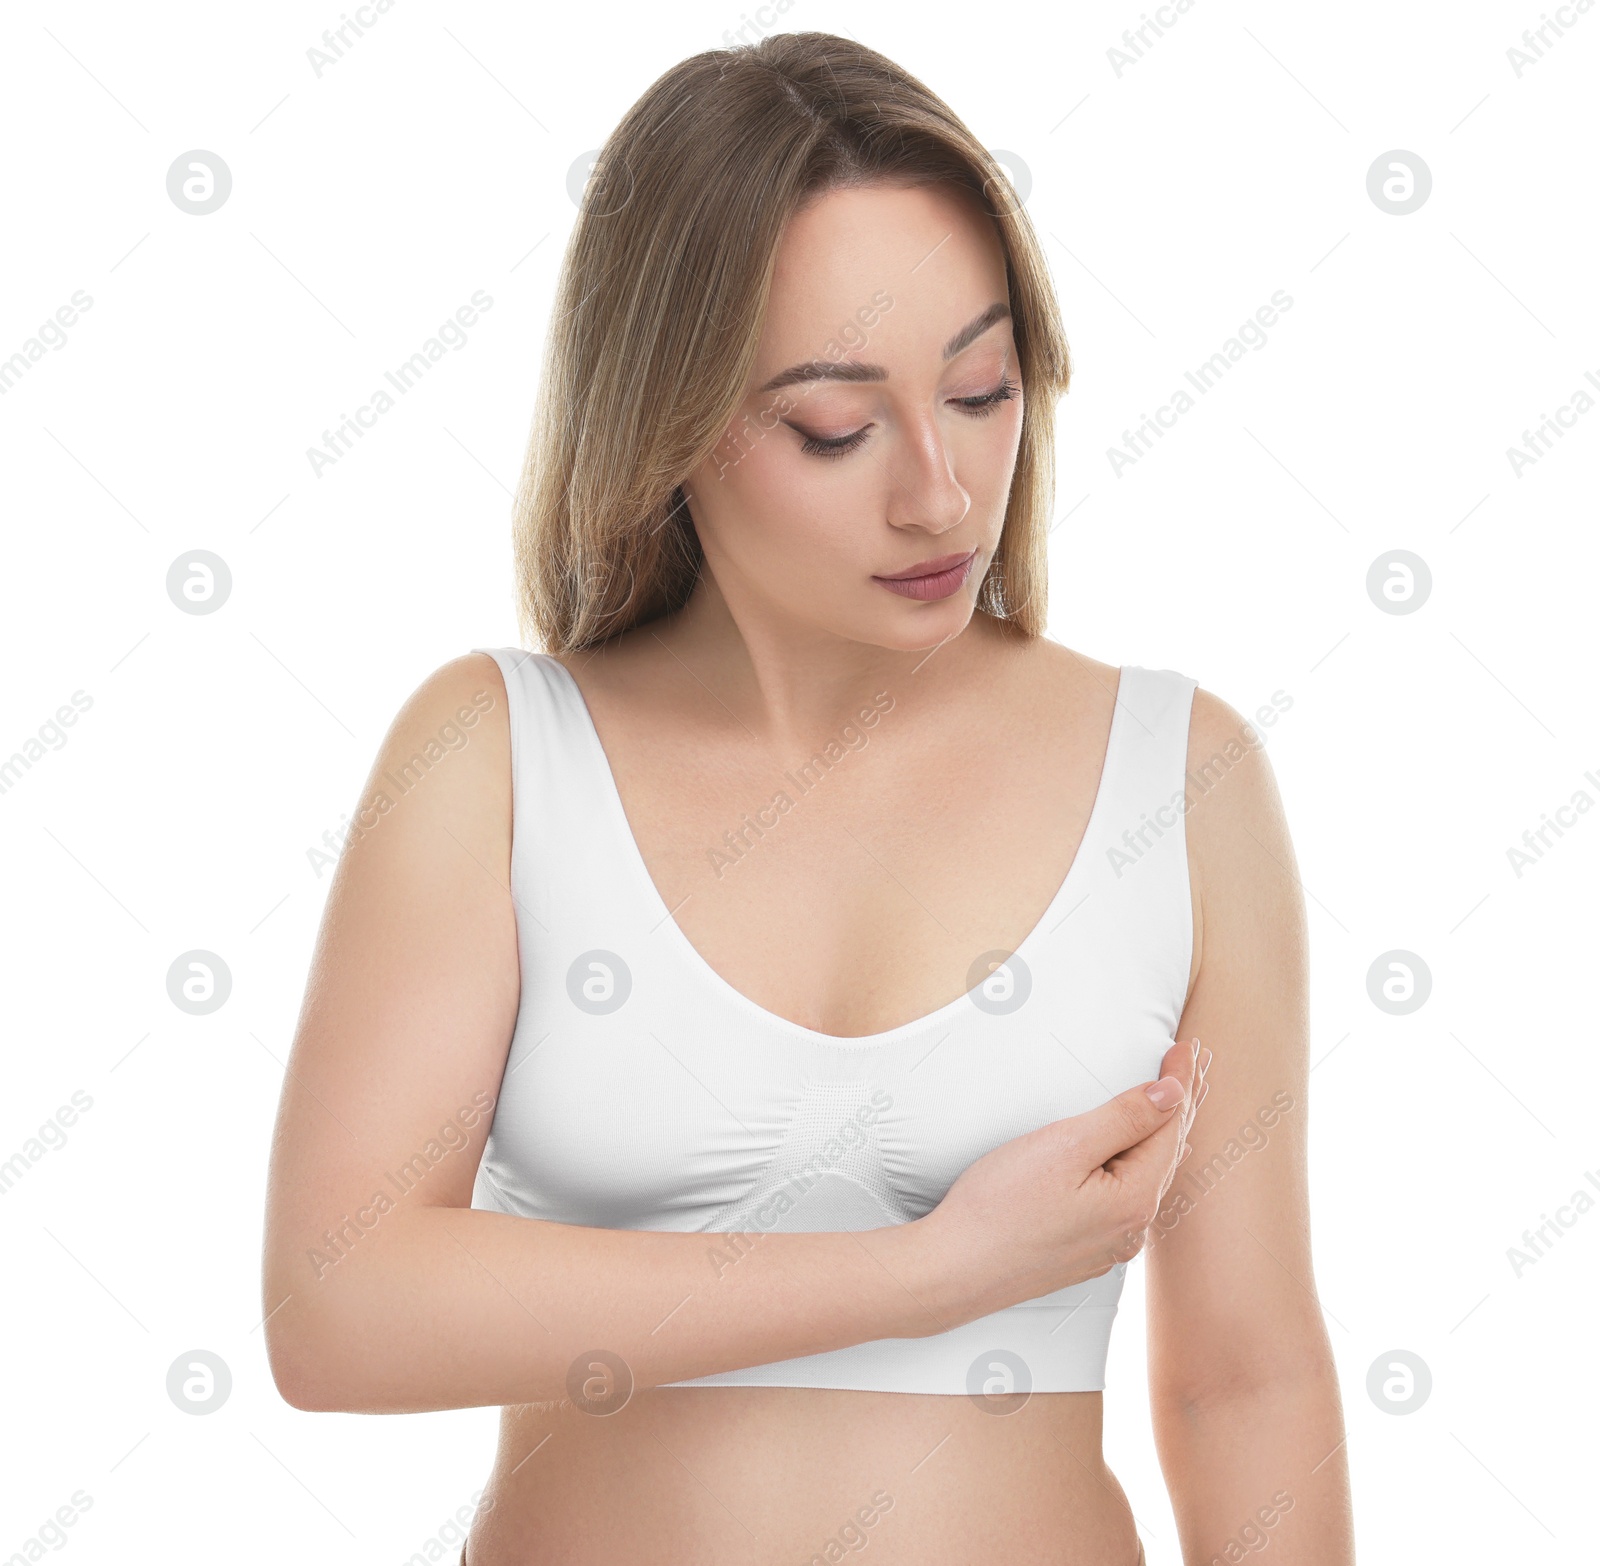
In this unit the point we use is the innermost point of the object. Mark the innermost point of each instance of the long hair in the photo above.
(660, 304)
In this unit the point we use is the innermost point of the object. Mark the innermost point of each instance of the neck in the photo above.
(787, 682)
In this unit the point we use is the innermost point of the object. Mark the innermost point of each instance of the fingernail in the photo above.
(1205, 1059)
(1165, 1093)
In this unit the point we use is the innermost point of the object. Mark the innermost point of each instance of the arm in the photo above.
(384, 1290)
(1245, 1399)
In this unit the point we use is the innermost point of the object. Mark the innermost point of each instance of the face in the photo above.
(879, 427)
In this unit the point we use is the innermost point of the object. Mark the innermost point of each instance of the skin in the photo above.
(863, 913)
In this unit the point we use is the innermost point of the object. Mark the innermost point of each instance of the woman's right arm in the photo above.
(386, 1292)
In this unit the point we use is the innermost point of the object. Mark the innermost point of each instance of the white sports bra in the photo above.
(642, 1091)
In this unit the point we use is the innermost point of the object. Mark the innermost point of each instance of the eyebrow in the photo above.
(854, 370)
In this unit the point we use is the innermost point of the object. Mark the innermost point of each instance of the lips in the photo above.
(932, 579)
(933, 567)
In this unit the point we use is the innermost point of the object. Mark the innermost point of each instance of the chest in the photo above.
(853, 886)
(892, 976)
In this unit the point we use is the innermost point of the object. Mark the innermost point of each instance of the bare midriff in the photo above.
(783, 1476)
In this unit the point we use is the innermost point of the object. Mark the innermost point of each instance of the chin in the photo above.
(918, 627)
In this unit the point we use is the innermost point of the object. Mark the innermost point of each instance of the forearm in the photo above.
(1259, 1468)
(444, 1307)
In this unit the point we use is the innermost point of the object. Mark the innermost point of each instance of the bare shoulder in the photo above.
(1244, 875)
(1232, 791)
(444, 766)
(468, 689)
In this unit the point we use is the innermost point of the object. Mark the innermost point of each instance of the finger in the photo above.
(1153, 1159)
(1193, 1083)
(1178, 1061)
(1128, 1120)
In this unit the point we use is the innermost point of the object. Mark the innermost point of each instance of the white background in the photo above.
(1173, 199)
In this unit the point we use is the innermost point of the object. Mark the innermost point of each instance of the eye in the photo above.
(838, 446)
(842, 445)
(989, 401)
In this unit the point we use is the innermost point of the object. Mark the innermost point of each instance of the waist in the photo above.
(707, 1475)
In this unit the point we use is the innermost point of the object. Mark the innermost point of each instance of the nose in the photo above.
(924, 491)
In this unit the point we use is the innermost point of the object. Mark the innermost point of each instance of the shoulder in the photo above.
(1240, 849)
(1229, 775)
(442, 771)
(461, 700)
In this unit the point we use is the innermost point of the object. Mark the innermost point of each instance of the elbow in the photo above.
(301, 1371)
(309, 1393)
(1227, 1388)
(310, 1365)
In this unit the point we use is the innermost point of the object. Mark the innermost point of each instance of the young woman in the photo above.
(749, 1038)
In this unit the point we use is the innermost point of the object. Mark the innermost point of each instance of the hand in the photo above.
(1066, 1202)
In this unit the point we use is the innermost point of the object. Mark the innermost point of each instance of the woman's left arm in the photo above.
(1244, 1395)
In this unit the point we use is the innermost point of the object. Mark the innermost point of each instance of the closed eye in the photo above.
(841, 445)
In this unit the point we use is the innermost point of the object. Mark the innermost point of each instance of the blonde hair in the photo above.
(659, 309)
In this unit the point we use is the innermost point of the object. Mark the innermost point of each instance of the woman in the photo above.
(749, 1039)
